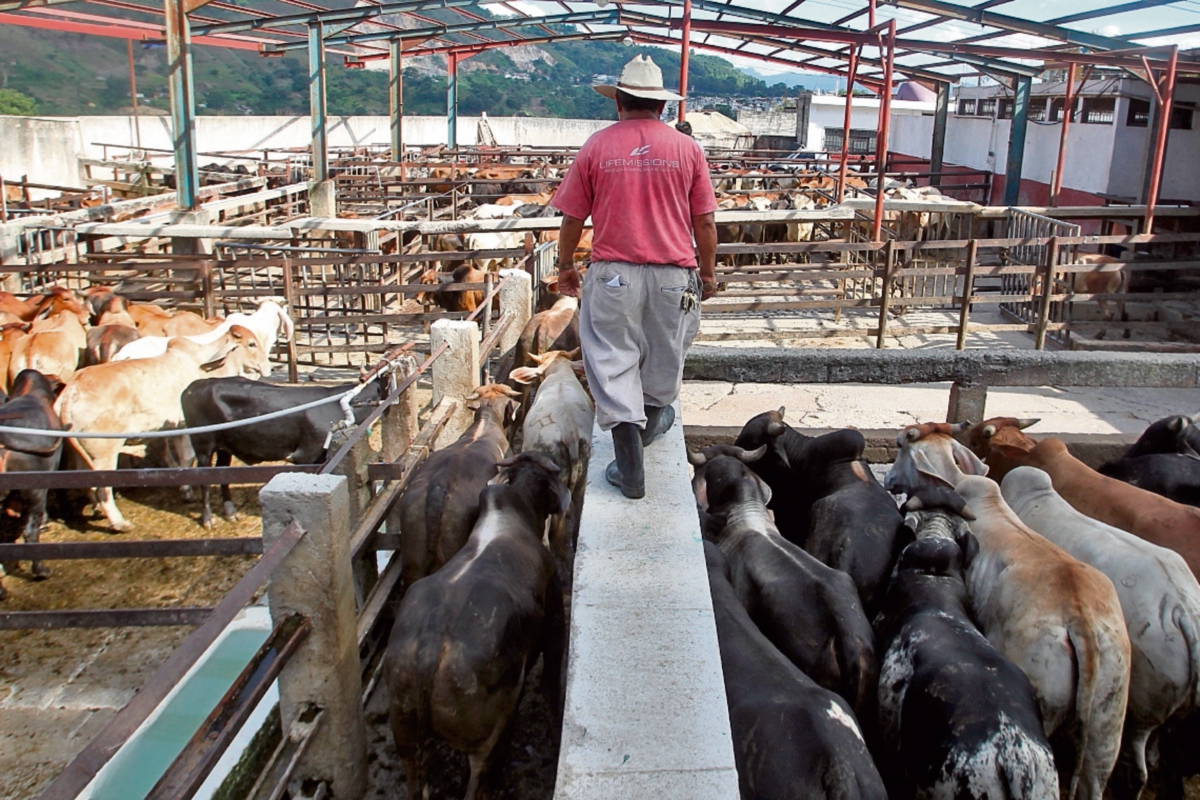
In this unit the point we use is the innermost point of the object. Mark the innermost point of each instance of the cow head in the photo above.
(1001, 444)
(721, 479)
(527, 375)
(59, 300)
(279, 307)
(938, 516)
(1177, 434)
(535, 475)
(495, 399)
(238, 352)
(32, 382)
(930, 456)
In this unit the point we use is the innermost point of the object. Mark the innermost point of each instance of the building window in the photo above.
(862, 141)
(1098, 110)
(1181, 117)
(1037, 109)
(986, 107)
(1006, 109)
(966, 108)
(1138, 115)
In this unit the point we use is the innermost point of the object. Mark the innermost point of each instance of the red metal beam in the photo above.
(885, 123)
(841, 189)
(1160, 141)
(683, 58)
(124, 31)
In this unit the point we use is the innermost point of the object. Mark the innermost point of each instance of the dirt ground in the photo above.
(59, 688)
(525, 771)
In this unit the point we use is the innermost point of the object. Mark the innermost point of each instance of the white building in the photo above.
(1108, 146)
(826, 113)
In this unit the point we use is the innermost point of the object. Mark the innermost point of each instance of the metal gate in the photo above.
(1027, 225)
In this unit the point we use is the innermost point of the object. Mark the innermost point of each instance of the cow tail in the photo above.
(82, 453)
(1187, 627)
(1083, 647)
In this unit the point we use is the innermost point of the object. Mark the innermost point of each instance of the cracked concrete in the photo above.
(1062, 409)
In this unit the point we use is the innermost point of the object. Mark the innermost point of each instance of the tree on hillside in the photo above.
(13, 102)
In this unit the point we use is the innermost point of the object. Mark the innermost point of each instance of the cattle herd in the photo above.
(97, 364)
(1022, 626)
(1028, 639)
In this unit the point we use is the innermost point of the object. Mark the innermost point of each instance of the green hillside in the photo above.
(67, 74)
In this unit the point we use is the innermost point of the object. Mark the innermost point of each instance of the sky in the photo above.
(1182, 12)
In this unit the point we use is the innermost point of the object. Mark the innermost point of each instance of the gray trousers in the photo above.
(634, 334)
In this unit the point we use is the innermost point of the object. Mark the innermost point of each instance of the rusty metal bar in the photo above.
(1068, 106)
(968, 289)
(1160, 142)
(272, 783)
(1051, 261)
(841, 191)
(374, 416)
(145, 548)
(137, 478)
(885, 124)
(414, 455)
(102, 618)
(889, 266)
(684, 47)
(187, 772)
(83, 768)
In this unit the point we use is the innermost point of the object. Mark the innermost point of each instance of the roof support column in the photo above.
(1022, 86)
(1165, 97)
(452, 100)
(396, 101)
(683, 58)
(1068, 109)
(937, 148)
(885, 124)
(182, 89)
(321, 197)
(841, 189)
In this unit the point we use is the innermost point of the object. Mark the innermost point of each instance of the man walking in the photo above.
(647, 189)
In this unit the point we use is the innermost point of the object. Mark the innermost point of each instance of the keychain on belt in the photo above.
(691, 299)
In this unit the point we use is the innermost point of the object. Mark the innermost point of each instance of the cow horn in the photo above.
(782, 412)
(775, 429)
(1178, 423)
(912, 434)
(1027, 422)
(959, 427)
(988, 431)
(750, 456)
(696, 459)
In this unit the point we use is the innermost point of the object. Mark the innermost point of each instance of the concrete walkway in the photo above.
(645, 714)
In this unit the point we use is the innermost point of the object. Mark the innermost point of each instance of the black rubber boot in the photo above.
(626, 473)
(659, 420)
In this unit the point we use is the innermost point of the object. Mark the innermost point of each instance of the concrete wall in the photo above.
(47, 148)
(828, 111)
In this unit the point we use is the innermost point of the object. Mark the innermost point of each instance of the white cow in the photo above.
(1159, 597)
(267, 321)
(494, 240)
(559, 424)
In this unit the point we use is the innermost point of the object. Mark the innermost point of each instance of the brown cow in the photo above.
(54, 346)
(10, 332)
(441, 503)
(1109, 277)
(1144, 514)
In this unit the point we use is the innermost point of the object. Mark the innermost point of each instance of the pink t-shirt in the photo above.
(641, 181)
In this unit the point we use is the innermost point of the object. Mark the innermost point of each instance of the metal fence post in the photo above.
(1047, 290)
(315, 580)
(456, 372)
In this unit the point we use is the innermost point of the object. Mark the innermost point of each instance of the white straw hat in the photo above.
(641, 77)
